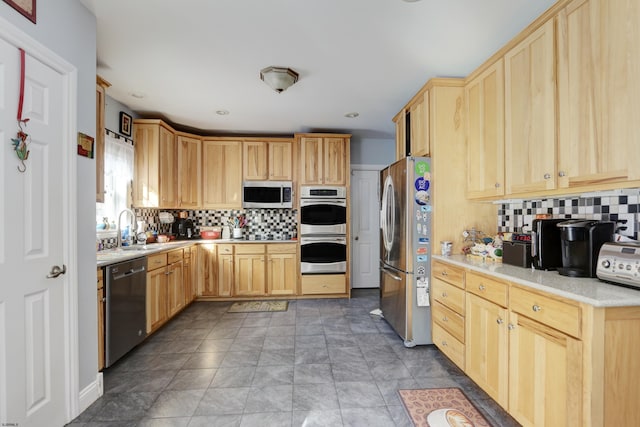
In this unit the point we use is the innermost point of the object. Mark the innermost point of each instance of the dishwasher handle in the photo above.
(129, 273)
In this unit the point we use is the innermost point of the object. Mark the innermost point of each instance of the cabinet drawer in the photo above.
(488, 288)
(324, 284)
(284, 248)
(174, 256)
(156, 261)
(448, 319)
(448, 295)
(226, 249)
(560, 315)
(448, 273)
(450, 346)
(249, 249)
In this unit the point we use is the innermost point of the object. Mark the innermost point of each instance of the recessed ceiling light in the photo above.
(222, 112)
(352, 115)
(137, 95)
(410, 1)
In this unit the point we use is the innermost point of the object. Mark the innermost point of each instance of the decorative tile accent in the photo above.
(517, 216)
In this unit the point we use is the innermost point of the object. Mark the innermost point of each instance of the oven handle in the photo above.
(304, 240)
(333, 202)
(388, 272)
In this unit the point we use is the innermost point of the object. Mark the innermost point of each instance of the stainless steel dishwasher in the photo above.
(126, 320)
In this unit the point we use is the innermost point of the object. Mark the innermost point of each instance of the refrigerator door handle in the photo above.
(388, 272)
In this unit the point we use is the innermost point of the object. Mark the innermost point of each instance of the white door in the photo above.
(365, 229)
(33, 362)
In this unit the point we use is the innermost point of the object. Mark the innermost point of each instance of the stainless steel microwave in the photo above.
(267, 194)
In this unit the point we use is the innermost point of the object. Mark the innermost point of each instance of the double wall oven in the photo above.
(323, 230)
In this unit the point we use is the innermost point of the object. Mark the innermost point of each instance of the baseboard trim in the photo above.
(90, 393)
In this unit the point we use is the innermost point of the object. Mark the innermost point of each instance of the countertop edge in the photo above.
(591, 291)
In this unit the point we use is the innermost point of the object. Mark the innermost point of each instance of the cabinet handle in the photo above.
(547, 176)
(499, 321)
(444, 319)
(497, 185)
(511, 326)
(561, 174)
(536, 308)
(444, 343)
(444, 273)
(481, 287)
(444, 295)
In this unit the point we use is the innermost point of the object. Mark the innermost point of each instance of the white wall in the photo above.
(112, 110)
(368, 151)
(69, 29)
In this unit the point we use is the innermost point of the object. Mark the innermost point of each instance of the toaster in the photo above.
(619, 263)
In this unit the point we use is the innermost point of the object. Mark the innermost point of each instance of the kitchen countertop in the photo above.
(589, 291)
(112, 256)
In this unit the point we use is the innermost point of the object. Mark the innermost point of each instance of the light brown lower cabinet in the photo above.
(547, 360)
(249, 270)
(282, 268)
(165, 287)
(318, 284)
(101, 302)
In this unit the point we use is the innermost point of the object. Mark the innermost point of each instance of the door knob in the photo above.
(356, 238)
(56, 271)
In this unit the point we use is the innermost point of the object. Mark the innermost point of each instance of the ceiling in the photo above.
(189, 59)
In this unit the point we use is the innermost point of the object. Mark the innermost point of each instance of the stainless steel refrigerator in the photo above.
(405, 248)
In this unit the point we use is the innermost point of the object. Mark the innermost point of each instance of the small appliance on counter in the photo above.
(517, 251)
(619, 263)
(581, 240)
(546, 244)
(183, 229)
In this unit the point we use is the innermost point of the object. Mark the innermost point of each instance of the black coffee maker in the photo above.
(183, 229)
(581, 240)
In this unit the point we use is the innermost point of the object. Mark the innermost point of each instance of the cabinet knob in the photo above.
(547, 176)
(497, 185)
(444, 319)
(481, 287)
(444, 295)
(536, 308)
(561, 174)
(444, 343)
(499, 321)
(444, 273)
(511, 326)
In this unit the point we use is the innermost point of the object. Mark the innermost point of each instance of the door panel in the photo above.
(365, 220)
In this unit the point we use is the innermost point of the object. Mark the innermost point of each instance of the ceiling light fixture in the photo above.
(352, 115)
(278, 78)
(222, 112)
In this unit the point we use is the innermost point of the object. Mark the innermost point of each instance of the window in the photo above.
(118, 175)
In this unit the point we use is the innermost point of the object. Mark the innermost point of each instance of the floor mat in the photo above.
(441, 407)
(256, 306)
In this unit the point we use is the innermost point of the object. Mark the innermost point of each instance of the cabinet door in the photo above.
(225, 275)
(485, 133)
(401, 137)
(280, 161)
(487, 350)
(99, 143)
(254, 160)
(311, 159)
(207, 271)
(168, 170)
(545, 375)
(101, 302)
(249, 271)
(146, 165)
(281, 274)
(334, 163)
(189, 171)
(221, 174)
(598, 91)
(419, 120)
(530, 151)
(156, 299)
(190, 274)
(175, 288)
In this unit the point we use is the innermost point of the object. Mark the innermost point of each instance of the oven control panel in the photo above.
(619, 262)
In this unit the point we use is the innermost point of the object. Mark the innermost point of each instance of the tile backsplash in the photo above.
(624, 208)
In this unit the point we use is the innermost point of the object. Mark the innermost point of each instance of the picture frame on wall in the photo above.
(126, 123)
(26, 7)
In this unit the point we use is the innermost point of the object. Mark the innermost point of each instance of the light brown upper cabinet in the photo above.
(401, 134)
(221, 173)
(189, 171)
(101, 86)
(324, 159)
(598, 93)
(155, 165)
(530, 131)
(484, 95)
(267, 160)
(419, 124)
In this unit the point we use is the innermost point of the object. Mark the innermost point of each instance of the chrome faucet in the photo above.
(119, 230)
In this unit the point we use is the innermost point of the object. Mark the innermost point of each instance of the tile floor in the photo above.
(321, 363)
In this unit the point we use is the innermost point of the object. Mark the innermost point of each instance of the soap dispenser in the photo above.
(141, 235)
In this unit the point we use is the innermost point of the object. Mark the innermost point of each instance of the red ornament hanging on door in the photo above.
(22, 141)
